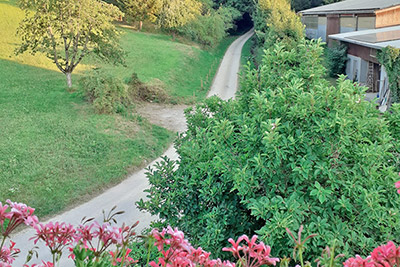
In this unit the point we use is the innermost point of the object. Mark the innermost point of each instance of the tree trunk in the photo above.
(140, 25)
(69, 80)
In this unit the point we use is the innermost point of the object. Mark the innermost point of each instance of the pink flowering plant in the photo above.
(101, 245)
(175, 250)
(13, 215)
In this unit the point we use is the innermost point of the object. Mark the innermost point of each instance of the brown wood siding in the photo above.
(332, 25)
(362, 52)
(388, 17)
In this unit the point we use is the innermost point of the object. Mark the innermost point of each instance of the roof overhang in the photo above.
(346, 37)
(338, 12)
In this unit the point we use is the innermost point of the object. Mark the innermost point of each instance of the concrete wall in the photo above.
(388, 17)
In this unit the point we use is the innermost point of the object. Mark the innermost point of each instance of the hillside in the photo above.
(54, 150)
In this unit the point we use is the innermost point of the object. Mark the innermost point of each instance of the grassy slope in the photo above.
(54, 150)
(180, 67)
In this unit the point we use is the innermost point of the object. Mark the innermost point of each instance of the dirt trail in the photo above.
(130, 190)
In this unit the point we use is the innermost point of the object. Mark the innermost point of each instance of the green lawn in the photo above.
(54, 150)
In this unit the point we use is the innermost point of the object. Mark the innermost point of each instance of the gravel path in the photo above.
(130, 190)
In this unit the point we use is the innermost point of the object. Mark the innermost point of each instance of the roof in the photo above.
(352, 6)
(358, 37)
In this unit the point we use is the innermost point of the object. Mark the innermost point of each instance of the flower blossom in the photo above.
(7, 254)
(177, 251)
(55, 235)
(257, 254)
(19, 214)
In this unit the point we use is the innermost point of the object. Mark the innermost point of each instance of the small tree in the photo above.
(141, 10)
(66, 31)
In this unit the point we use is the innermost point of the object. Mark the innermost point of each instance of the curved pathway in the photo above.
(130, 190)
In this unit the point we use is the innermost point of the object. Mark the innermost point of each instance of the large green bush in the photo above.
(107, 93)
(336, 59)
(209, 29)
(291, 150)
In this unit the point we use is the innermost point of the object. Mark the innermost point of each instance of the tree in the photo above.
(141, 10)
(177, 13)
(291, 150)
(67, 31)
(274, 20)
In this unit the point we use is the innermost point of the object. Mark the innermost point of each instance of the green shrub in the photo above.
(107, 93)
(336, 59)
(291, 151)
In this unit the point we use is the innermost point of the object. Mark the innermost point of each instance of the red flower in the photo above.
(387, 254)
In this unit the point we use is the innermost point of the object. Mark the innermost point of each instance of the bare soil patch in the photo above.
(169, 116)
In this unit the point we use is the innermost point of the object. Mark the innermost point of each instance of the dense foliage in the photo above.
(140, 10)
(176, 13)
(107, 93)
(292, 150)
(209, 29)
(336, 59)
(66, 31)
(299, 5)
(275, 21)
(389, 57)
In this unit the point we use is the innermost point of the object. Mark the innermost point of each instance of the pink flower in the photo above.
(359, 262)
(7, 254)
(387, 254)
(55, 235)
(397, 185)
(251, 253)
(125, 259)
(44, 264)
(19, 214)
(177, 251)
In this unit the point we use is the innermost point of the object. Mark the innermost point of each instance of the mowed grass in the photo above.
(54, 150)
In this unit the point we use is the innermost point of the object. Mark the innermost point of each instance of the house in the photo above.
(362, 65)
(350, 16)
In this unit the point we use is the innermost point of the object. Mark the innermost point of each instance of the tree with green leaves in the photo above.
(141, 10)
(67, 31)
(274, 20)
(177, 13)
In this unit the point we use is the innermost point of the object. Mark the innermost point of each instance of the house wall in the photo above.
(353, 68)
(332, 25)
(388, 17)
(366, 53)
